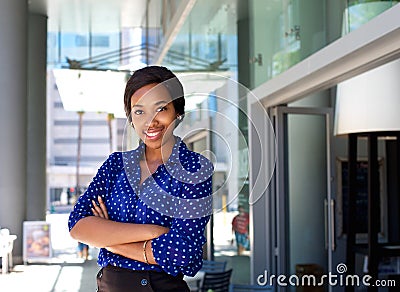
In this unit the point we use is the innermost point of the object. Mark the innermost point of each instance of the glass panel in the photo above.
(219, 117)
(283, 33)
(207, 40)
(306, 194)
(168, 9)
(359, 12)
(293, 29)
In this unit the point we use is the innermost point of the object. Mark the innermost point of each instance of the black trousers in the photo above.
(115, 279)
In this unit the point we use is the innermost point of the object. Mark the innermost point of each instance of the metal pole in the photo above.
(147, 31)
(373, 207)
(352, 204)
(78, 155)
(110, 117)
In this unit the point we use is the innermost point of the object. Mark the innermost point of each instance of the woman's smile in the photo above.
(153, 134)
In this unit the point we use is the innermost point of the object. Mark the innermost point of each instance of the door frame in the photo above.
(279, 116)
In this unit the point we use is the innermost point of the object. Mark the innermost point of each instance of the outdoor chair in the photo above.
(249, 288)
(6, 247)
(216, 281)
(213, 266)
(195, 283)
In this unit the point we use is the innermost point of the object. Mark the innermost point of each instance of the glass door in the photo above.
(304, 206)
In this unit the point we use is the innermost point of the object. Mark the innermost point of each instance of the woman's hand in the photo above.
(97, 232)
(100, 210)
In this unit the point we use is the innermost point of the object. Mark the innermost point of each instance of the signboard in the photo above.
(36, 241)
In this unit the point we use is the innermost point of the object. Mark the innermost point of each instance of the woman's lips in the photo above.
(153, 135)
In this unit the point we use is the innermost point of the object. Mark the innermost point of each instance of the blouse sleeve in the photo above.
(181, 249)
(99, 186)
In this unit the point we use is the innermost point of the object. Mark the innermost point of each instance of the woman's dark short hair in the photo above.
(151, 75)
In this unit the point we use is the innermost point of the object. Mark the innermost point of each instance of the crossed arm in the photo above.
(125, 239)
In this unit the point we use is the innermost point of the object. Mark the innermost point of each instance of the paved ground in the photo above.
(70, 277)
(65, 272)
(79, 276)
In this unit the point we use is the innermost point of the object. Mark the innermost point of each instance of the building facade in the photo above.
(267, 119)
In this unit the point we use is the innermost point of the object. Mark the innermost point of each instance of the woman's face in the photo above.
(153, 115)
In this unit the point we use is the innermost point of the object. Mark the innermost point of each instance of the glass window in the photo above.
(284, 33)
(359, 12)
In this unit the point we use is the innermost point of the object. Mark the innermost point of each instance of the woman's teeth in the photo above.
(152, 134)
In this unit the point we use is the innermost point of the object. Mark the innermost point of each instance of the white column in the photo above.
(261, 162)
(36, 147)
(13, 112)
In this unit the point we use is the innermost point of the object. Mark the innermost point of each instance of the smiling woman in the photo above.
(153, 115)
(142, 206)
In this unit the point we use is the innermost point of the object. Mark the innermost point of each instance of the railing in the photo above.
(178, 60)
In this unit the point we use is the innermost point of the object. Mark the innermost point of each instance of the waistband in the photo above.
(141, 272)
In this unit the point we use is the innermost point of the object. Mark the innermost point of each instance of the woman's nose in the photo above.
(150, 120)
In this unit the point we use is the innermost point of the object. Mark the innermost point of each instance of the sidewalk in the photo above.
(66, 272)
(80, 276)
(74, 275)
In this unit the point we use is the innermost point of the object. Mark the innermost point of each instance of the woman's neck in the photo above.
(160, 155)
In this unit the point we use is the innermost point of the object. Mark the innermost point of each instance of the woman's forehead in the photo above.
(150, 94)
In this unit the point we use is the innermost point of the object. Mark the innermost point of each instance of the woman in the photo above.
(147, 248)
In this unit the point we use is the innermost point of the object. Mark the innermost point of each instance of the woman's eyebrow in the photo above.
(156, 103)
(137, 105)
(162, 102)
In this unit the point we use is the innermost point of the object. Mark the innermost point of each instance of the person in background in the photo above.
(240, 227)
(83, 250)
(147, 208)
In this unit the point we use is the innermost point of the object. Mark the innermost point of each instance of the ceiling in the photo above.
(96, 15)
(84, 17)
(111, 15)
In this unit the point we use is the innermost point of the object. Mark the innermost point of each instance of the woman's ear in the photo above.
(178, 120)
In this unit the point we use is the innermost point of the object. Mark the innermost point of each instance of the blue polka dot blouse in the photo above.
(177, 195)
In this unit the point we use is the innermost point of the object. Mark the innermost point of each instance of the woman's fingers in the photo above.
(103, 207)
(97, 211)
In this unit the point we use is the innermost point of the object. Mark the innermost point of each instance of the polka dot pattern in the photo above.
(166, 198)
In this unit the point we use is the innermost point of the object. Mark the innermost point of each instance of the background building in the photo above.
(270, 74)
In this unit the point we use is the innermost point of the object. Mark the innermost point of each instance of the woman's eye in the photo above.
(138, 112)
(160, 109)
